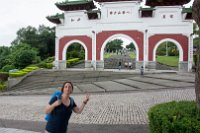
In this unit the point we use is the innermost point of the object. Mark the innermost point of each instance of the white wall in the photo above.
(127, 17)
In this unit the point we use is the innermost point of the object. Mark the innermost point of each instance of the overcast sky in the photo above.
(16, 14)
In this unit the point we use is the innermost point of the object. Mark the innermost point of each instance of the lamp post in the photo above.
(166, 49)
(94, 64)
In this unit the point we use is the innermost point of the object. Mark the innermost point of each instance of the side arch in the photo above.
(168, 40)
(71, 42)
(180, 40)
(85, 41)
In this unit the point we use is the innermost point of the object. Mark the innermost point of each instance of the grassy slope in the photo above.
(168, 60)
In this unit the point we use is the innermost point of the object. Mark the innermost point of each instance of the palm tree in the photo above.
(196, 17)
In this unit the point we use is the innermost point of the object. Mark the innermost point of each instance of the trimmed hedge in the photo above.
(72, 61)
(175, 117)
(32, 67)
(22, 72)
(17, 74)
(45, 65)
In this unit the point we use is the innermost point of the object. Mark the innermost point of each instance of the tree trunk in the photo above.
(196, 17)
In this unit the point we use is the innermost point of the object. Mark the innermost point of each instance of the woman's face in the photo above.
(67, 88)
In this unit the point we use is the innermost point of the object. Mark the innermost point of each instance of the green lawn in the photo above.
(132, 55)
(107, 55)
(168, 60)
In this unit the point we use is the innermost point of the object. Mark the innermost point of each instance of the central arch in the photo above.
(117, 36)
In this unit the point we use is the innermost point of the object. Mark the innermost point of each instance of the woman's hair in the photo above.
(66, 83)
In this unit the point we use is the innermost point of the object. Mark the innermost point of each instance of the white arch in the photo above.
(168, 40)
(118, 36)
(71, 42)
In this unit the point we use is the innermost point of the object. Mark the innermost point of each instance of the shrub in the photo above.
(174, 117)
(45, 65)
(36, 60)
(75, 54)
(2, 86)
(7, 68)
(4, 76)
(82, 55)
(49, 60)
(49, 65)
(22, 55)
(42, 65)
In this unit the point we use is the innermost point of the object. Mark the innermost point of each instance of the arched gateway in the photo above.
(146, 27)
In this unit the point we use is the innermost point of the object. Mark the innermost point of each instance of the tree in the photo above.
(130, 46)
(4, 53)
(26, 35)
(196, 35)
(42, 39)
(196, 17)
(46, 41)
(75, 50)
(114, 45)
(170, 50)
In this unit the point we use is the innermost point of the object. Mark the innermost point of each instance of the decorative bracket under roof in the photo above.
(94, 14)
(188, 12)
(146, 12)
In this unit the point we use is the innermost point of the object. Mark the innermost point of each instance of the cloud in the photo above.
(16, 14)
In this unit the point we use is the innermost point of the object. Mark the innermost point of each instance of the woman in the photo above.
(61, 108)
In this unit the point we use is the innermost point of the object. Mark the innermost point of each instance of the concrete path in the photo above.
(123, 108)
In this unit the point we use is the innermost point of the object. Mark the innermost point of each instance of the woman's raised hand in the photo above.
(87, 97)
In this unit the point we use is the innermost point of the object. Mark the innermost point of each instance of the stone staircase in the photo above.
(45, 79)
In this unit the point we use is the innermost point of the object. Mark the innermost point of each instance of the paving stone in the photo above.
(113, 86)
(139, 85)
(10, 130)
(103, 108)
(162, 82)
(76, 90)
(90, 88)
(173, 77)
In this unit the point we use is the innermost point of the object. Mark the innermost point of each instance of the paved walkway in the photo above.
(11, 130)
(126, 103)
(113, 63)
